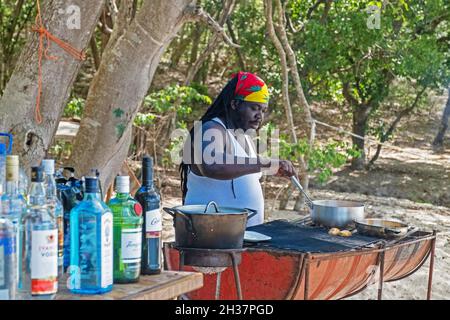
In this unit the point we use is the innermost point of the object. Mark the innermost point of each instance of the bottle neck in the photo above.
(92, 196)
(50, 185)
(147, 176)
(122, 195)
(12, 187)
(37, 193)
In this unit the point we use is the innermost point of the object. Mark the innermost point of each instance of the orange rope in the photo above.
(45, 34)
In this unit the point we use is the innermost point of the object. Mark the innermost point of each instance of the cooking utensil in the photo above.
(381, 228)
(197, 226)
(332, 213)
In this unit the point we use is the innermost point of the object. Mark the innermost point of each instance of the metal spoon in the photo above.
(308, 201)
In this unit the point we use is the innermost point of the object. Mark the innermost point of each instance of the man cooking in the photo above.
(229, 169)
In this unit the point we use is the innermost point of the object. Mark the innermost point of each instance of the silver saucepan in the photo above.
(332, 213)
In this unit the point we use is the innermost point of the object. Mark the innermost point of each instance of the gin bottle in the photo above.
(56, 207)
(91, 243)
(8, 270)
(150, 200)
(128, 220)
(38, 252)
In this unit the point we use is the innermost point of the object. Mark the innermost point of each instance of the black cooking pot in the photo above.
(197, 226)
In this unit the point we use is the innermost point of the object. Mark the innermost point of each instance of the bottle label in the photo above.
(153, 223)
(44, 262)
(131, 245)
(107, 250)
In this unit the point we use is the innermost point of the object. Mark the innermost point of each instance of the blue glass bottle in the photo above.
(150, 200)
(91, 243)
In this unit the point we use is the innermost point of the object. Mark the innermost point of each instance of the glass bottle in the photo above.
(8, 270)
(56, 207)
(91, 243)
(128, 220)
(38, 251)
(13, 204)
(150, 200)
(2, 167)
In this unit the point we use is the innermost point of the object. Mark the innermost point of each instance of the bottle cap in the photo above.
(12, 168)
(37, 174)
(12, 161)
(123, 184)
(49, 166)
(91, 185)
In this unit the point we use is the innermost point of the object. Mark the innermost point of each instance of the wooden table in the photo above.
(164, 286)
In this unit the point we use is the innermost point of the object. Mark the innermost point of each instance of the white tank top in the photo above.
(242, 192)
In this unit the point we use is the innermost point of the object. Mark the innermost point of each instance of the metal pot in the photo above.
(197, 226)
(332, 213)
(336, 213)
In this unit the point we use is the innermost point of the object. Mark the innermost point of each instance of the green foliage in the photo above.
(180, 99)
(75, 108)
(322, 158)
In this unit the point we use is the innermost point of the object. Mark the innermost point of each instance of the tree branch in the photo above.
(196, 13)
(394, 124)
(212, 43)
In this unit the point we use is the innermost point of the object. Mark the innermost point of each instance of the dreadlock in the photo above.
(221, 107)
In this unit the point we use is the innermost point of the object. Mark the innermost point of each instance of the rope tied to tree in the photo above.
(44, 34)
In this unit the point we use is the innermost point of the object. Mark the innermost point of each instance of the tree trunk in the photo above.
(120, 86)
(360, 116)
(439, 140)
(17, 105)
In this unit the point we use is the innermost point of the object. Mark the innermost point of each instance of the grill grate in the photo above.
(304, 236)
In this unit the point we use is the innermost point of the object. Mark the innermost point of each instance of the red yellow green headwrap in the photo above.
(250, 88)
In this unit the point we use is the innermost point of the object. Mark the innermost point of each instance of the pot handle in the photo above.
(190, 225)
(209, 204)
(252, 214)
(171, 211)
(392, 231)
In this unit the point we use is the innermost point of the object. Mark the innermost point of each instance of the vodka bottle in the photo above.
(56, 207)
(91, 243)
(149, 198)
(127, 233)
(38, 252)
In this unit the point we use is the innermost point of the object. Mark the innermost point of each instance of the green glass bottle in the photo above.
(127, 232)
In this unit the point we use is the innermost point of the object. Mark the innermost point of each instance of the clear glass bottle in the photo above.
(91, 243)
(150, 200)
(55, 205)
(128, 220)
(8, 269)
(13, 204)
(38, 251)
